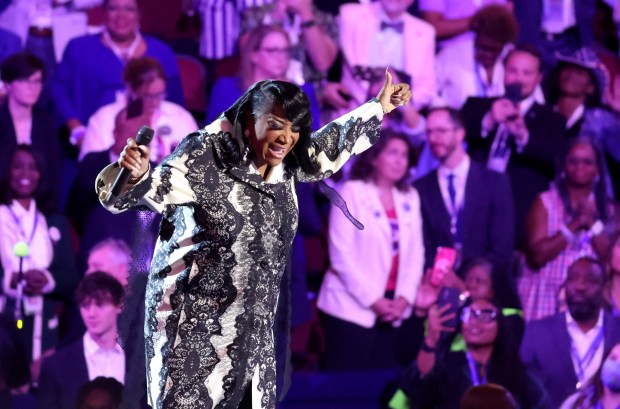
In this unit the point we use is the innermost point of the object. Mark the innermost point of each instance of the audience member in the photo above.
(488, 396)
(90, 72)
(371, 285)
(313, 35)
(453, 20)
(265, 55)
(14, 370)
(22, 121)
(566, 349)
(439, 379)
(603, 389)
(573, 219)
(48, 275)
(476, 69)
(464, 205)
(612, 287)
(376, 35)
(100, 393)
(145, 81)
(112, 256)
(96, 354)
(516, 134)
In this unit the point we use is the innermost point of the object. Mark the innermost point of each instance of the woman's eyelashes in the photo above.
(278, 126)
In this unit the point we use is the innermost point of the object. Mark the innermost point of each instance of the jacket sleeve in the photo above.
(502, 221)
(351, 134)
(48, 393)
(408, 282)
(63, 267)
(166, 185)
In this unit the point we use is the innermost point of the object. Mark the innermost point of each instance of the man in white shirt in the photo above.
(566, 349)
(97, 353)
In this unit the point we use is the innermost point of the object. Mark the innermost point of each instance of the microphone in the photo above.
(21, 250)
(144, 137)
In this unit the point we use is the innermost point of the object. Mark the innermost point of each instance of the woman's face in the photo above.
(615, 257)
(479, 282)
(26, 91)
(272, 59)
(24, 175)
(575, 81)
(614, 354)
(580, 165)
(122, 18)
(392, 163)
(480, 326)
(272, 137)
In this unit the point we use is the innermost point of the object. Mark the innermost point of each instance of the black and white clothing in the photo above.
(222, 248)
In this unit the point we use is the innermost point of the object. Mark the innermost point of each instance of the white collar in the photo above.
(460, 171)
(91, 347)
(575, 116)
(571, 323)
(527, 103)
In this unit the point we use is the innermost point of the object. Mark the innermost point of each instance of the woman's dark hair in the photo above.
(497, 22)
(43, 194)
(551, 85)
(599, 187)
(141, 71)
(363, 169)
(111, 386)
(261, 98)
(504, 292)
(20, 66)
(101, 287)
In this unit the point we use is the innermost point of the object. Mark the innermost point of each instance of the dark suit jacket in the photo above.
(45, 141)
(62, 376)
(546, 352)
(530, 171)
(487, 216)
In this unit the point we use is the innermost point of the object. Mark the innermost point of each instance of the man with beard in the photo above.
(566, 349)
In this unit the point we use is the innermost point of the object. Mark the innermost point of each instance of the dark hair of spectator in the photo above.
(111, 386)
(553, 93)
(107, 2)
(142, 71)
(43, 194)
(497, 22)
(254, 41)
(504, 293)
(599, 187)
(20, 66)
(261, 98)
(455, 115)
(488, 396)
(100, 287)
(529, 49)
(592, 261)
(363, 169)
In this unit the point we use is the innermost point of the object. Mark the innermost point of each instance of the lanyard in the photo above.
(583, 363)
(21, 228)
(473, 372)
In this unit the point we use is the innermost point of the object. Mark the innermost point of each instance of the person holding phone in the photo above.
(372, 282)
(438, 378)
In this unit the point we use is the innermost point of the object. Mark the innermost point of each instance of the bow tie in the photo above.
(398, 27)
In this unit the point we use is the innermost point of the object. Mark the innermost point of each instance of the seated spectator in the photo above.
(603, 389)
(489, 396)
(145, 80)
(100, 393)
(96, 354)
(476, 69)
(14, 370)
(112, 256)
(313, 35)
(439, 379)
(48, 276)
(612, 284)
(90, 72)
(465, 206)
(566, 349)
(371, 285)
(575, 218)
(265, 55)
(375, 35)
(22, 121)
(516, 134)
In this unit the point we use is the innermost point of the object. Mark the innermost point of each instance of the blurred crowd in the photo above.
(488, 269)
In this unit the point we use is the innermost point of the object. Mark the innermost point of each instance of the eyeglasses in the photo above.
(277, 51)
(485, 315)
(38, 81)
(438, 131)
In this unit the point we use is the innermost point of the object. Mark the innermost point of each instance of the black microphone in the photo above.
(144, 137)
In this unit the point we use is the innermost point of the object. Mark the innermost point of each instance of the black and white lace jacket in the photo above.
(215, 274)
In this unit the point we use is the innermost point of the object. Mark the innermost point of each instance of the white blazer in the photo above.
(360, 22)
(361, 259)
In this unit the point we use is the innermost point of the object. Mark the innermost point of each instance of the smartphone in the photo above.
(135, 108)
(450, 296)
(344, 95)
(444, 262)
(513, 92)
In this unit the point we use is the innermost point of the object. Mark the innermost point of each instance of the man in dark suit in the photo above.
(516, 134)
(97, 353)
(566, 349)
(464, 205)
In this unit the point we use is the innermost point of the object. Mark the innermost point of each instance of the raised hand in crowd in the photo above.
(336, 95)
(35, 281)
